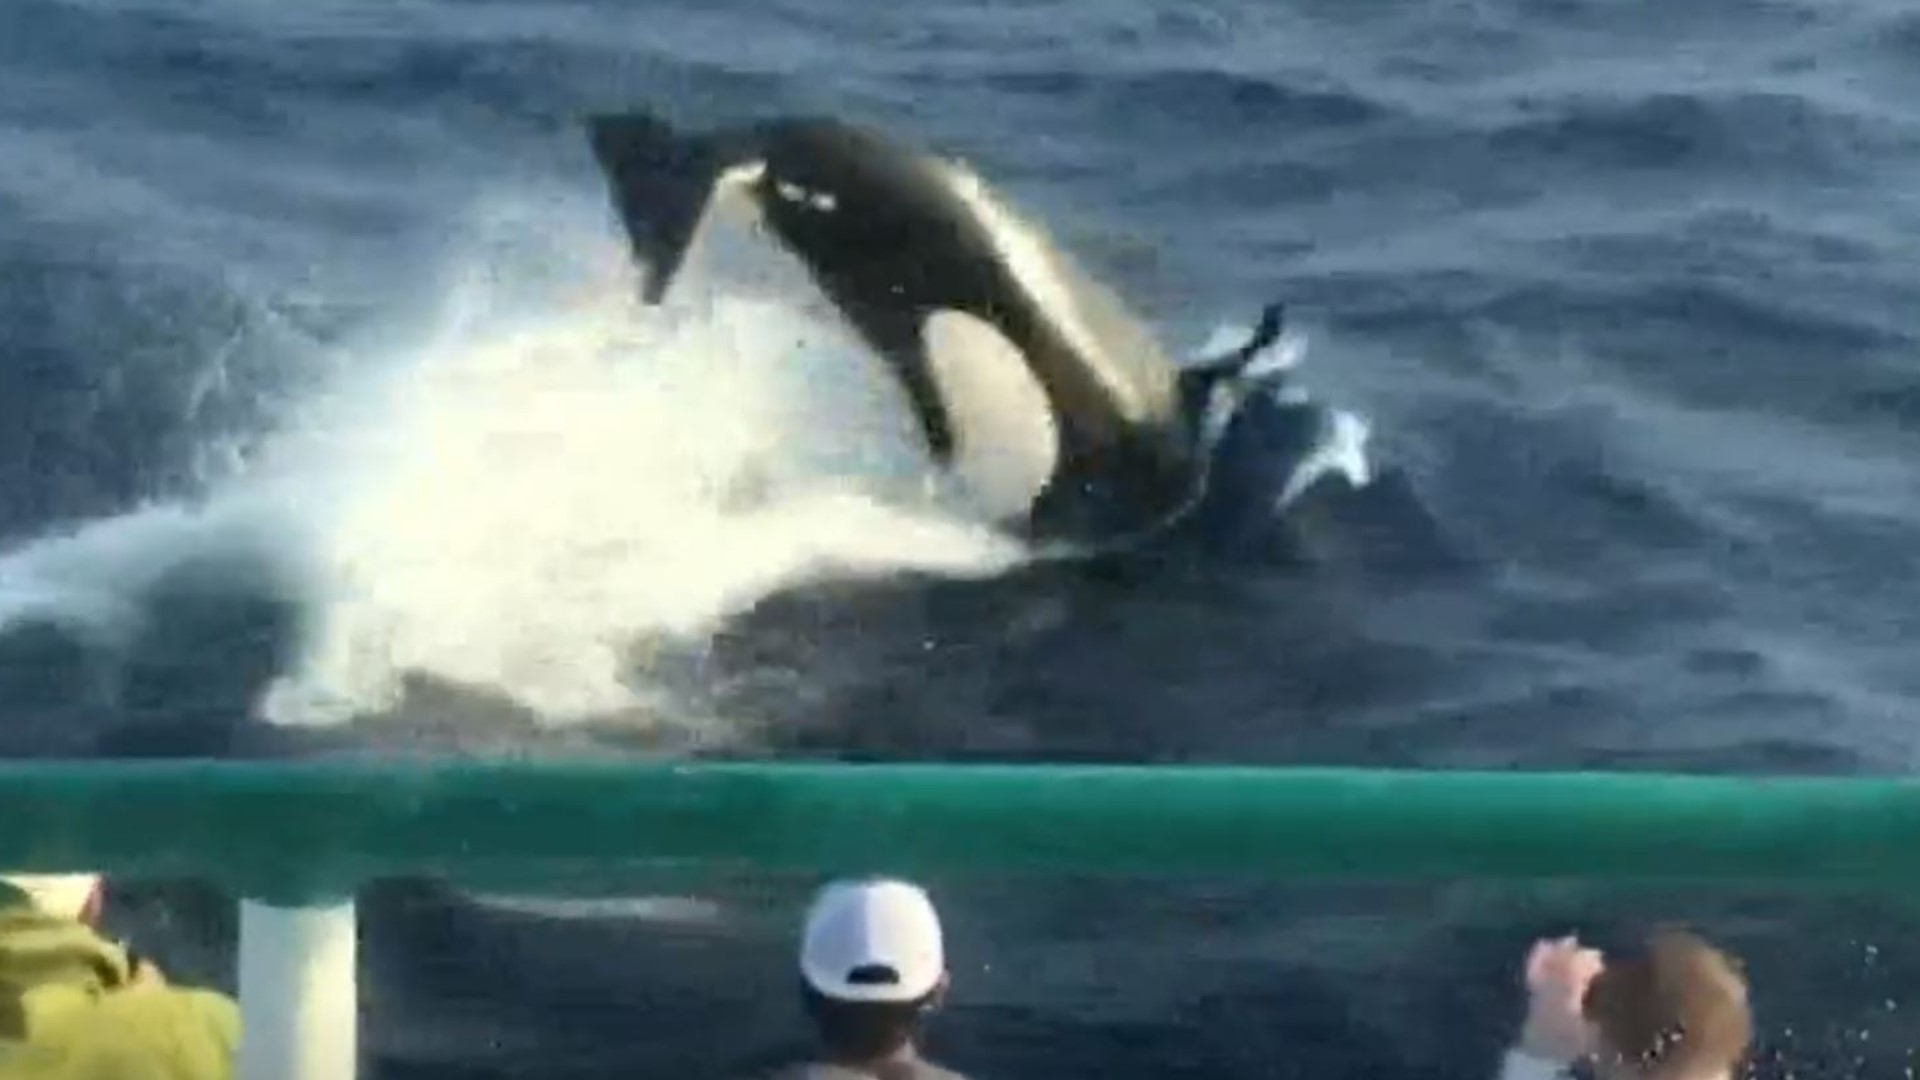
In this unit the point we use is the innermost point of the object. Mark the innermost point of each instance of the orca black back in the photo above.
(896, 237)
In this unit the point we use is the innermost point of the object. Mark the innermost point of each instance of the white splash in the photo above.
(545, 481)
(520, 504)
(514, 501)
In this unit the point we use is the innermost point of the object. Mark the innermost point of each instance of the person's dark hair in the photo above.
(864, 1030)
(1677, 1010)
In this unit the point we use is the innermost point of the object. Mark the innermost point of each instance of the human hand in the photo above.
(1558, 973)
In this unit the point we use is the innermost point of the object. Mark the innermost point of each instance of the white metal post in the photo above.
(299, 993)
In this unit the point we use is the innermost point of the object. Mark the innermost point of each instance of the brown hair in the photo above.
(861, 1032)
(1676, 1011)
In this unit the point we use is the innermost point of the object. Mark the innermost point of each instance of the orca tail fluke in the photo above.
(1273, 323)
(662, 183)
(1236, 365)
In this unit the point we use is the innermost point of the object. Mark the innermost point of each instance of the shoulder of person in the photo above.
(814, 1070)
(920, 1069)
(37, 949)
(203, 1014)
(917, 1069)
(1517, 1064)
(136, 1032)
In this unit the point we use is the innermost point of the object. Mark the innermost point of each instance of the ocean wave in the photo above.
(1755, 132)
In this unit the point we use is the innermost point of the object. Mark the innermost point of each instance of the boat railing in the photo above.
(295, 842)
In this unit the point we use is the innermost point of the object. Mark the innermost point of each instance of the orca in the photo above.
(1030, 381)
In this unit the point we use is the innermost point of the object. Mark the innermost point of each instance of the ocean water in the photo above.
(327, 423)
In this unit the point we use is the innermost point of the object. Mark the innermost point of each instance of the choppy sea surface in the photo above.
(327, 423)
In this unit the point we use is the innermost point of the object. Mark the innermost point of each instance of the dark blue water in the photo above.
(1624, 293)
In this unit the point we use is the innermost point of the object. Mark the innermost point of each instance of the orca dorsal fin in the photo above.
(663, 183)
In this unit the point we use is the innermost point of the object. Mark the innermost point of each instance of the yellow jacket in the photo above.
(69, 1011)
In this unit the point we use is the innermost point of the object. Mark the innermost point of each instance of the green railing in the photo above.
(300, 832)
(296, 841)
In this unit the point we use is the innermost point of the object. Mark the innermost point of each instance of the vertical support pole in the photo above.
(299, 993)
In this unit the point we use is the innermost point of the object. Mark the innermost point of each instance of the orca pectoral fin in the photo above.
(662, 184)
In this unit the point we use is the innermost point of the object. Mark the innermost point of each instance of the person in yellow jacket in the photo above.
(76, 1006)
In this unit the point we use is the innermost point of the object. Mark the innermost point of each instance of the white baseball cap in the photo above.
(876, 940)
(63, 895)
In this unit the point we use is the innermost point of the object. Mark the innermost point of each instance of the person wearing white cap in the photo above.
(76, 1006)
(872, 966)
